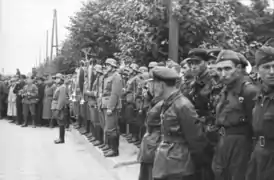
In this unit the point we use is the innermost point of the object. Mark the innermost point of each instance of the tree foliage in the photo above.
(137, 30)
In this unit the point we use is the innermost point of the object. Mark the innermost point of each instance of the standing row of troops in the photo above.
(214, 122)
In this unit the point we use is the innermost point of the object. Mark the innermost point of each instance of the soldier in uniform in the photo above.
(111, 104)
(233, 118)
(79, 85)
(122, 120)
(19, 106)
(131, 97)
(30, 94)
(91, 100)
(261, 164)
(152, 137)
(94, 103)
(200, 95)
(39, 105)
(60, 109)
(182, 145)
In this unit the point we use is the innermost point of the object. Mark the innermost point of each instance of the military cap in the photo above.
(237, 58)
(152, 64)
(161, 64)
(213, 53)
(265, 54)
(175, 66)
(111, 62)
(164, 74)
(198, 54)
(143, 69)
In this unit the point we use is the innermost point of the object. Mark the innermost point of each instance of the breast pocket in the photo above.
(268, 125)
(172, 125)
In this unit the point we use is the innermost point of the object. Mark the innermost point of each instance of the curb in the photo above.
(121, 173)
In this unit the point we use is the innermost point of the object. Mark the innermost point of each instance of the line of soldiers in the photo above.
(213, 122)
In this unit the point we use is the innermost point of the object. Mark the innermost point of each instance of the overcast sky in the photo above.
(23, 30)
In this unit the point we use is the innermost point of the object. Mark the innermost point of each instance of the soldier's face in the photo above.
(266, 72)
(108, 68)
(158, 88)
(196, 66)
(185, 69)
(227, 71)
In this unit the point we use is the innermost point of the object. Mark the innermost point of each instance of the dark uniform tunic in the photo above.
(261, 165)
(233, 116)
(182, 146)
(150, 140)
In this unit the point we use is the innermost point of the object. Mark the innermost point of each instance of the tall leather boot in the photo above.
(61, 135)
(91, 135)
(113, 152)
(33, 121)
(98, 139)
(87, 127)
(107, 144)
(25, 124)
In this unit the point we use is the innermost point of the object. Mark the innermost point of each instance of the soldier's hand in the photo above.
(109, 112)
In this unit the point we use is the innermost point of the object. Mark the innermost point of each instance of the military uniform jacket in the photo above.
(131, 89)
(152, 138)
(93, 94)
(200, 94)
(112, 91)
(183, 143)
(235, 105)
(30, 94)
(60, 98)
(263, 115)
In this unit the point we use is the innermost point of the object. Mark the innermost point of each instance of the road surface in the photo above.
(30, 154)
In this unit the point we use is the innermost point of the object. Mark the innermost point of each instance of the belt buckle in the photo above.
(222, 131)
(262, 141)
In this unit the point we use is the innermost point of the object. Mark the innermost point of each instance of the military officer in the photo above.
(60, 110)
(261, 165)
(233, 117)
(112, 91)
(182, 145)
(30, 94)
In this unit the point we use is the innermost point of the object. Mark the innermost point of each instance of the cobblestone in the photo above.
(30, 154)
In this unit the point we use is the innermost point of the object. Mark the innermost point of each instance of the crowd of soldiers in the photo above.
(209, 117)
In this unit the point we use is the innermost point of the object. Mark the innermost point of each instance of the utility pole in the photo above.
(40, 61)
(54, 32)
(173, 42)
(47, 46)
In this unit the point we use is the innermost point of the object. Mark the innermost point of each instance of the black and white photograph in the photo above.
(136, 89)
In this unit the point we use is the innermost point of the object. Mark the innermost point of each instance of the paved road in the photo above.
(30, 154)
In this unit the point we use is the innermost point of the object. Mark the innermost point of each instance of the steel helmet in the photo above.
(111, 62)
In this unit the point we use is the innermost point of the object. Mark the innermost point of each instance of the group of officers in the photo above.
(212, 121)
